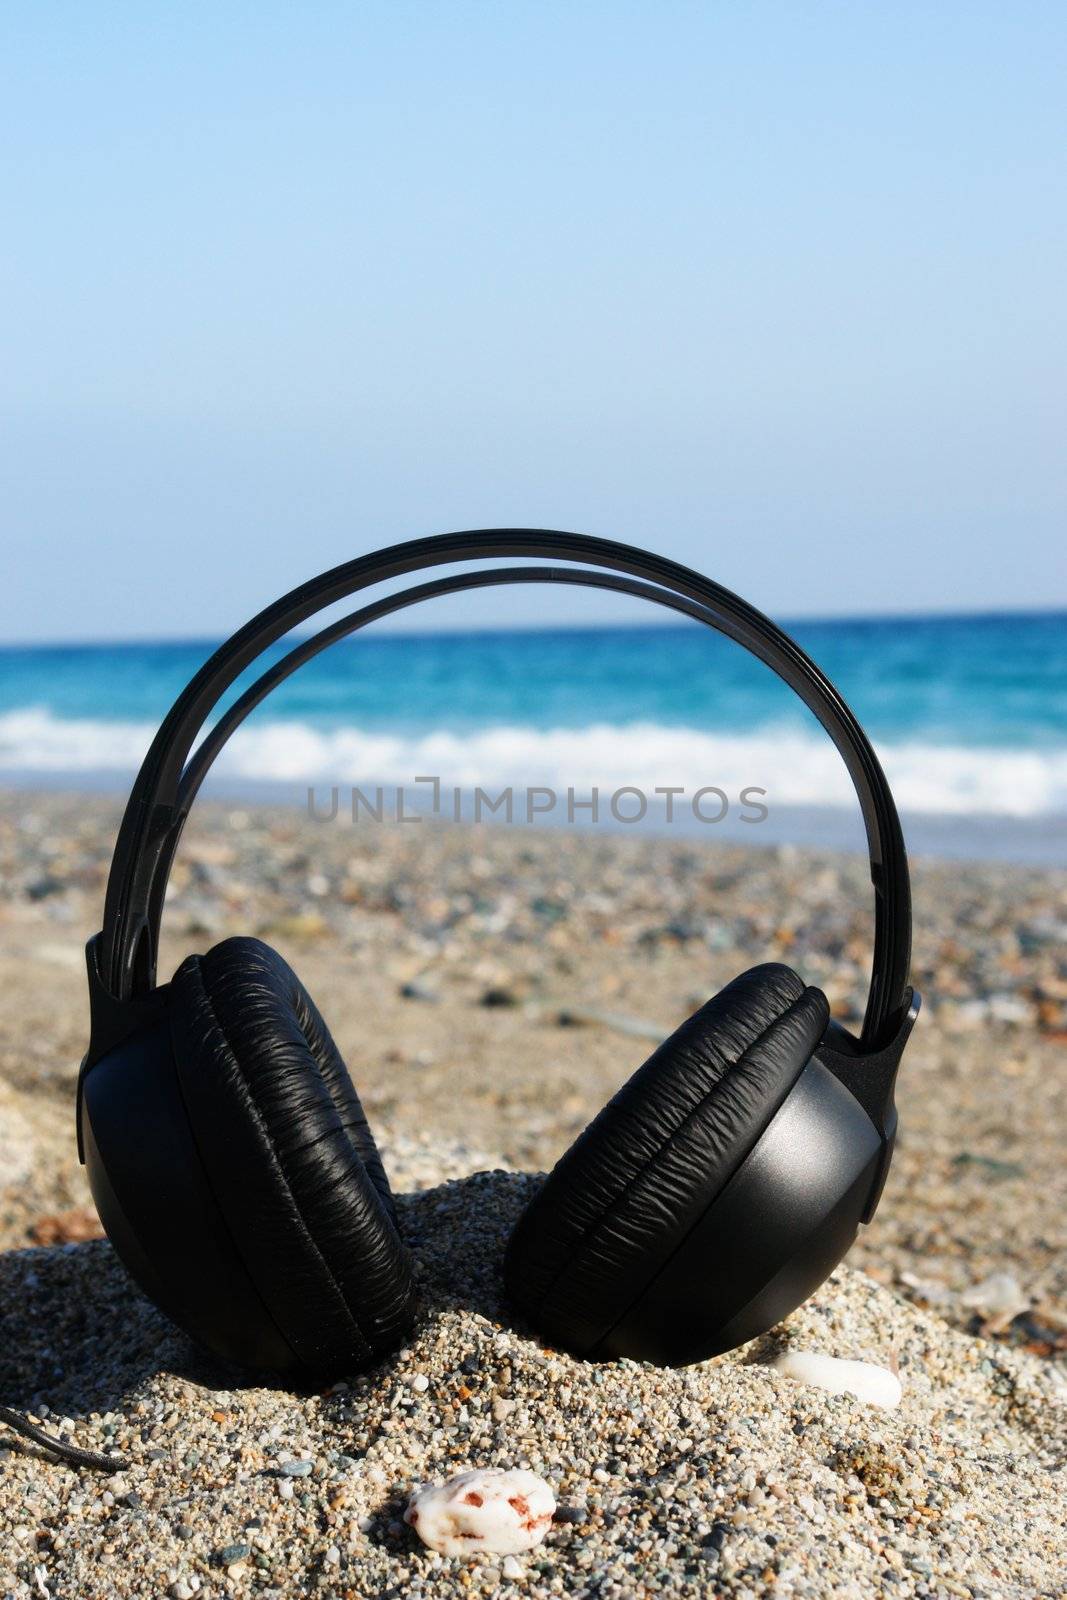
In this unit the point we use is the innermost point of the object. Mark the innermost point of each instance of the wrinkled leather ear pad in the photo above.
(289, 1156)
(633, 1185)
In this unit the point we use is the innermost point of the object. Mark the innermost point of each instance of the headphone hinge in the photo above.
(870, 1077)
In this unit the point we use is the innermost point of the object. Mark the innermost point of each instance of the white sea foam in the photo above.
(796, 768)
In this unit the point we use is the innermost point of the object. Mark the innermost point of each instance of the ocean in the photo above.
(969, 715)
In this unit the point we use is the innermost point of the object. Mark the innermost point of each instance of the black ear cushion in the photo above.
(628, 1191)
(290, 1156)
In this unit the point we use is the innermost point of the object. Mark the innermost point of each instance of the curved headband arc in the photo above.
(213, 742)
(164, 788)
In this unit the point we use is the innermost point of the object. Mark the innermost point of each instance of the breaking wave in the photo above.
(795, 767)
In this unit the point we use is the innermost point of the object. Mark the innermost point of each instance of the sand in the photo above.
(489, 989)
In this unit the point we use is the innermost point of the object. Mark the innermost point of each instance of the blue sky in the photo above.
(777, 289)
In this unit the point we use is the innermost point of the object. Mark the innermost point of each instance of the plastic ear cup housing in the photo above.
(718, 1189)
(777, 1230)
(787, 1218)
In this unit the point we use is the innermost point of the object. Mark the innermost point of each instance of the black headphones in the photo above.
(232, 1164)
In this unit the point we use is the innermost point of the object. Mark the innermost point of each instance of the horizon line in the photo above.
(818, 619)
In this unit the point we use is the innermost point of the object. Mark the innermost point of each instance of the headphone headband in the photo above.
(165, 786)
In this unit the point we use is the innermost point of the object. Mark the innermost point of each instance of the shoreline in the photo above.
(973, 838)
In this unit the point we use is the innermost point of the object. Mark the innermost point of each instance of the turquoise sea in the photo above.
(969, 715)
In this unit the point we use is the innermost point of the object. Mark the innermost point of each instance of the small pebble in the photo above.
(231, 1553)
(997, 1295)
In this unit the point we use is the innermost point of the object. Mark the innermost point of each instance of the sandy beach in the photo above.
(489, 989)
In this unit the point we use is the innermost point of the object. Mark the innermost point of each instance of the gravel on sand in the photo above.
(490, 988)
(724, 1478)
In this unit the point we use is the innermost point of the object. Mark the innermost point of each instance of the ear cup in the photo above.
(289, 1156)
(626, 1194)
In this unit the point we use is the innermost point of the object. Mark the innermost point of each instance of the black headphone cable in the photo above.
(59, 1447)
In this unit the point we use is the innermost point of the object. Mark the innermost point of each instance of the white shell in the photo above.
(877, 1385)
(491, 1510)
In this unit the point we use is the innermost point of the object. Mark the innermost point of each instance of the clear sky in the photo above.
(776, 288)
